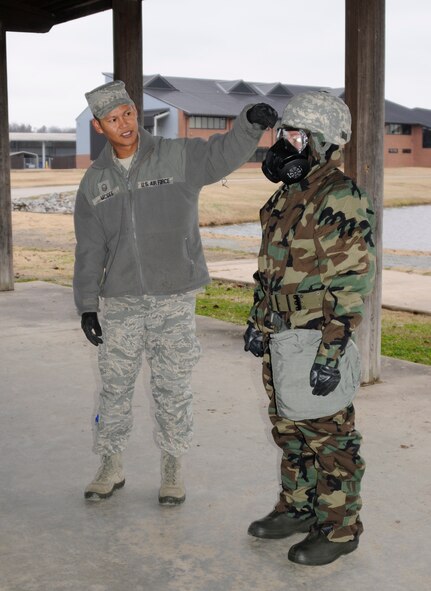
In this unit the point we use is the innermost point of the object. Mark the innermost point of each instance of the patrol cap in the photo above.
(103, 99)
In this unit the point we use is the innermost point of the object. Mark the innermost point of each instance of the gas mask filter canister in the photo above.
(287, 160)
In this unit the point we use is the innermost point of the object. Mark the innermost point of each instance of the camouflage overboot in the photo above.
(109, 477)
(172, 491)
(316, 549)
(277, 525)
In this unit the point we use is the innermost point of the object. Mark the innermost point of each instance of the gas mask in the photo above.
(288, 160)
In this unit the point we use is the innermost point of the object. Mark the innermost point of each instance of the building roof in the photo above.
(196, 96)
(18, 136)
(222, 98)
(227, 98)
(423, 116)
(395, 113)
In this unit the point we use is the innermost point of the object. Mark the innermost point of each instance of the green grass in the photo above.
(225, 301)
(404, 336)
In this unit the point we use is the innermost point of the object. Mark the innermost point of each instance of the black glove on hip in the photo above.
(324, 379)
(253, 340)
(262, 114)
(91, 327)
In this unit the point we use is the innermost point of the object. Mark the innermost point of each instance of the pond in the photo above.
(404, 228)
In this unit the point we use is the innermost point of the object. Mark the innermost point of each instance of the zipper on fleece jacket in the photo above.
(135, 239)
(125, 177)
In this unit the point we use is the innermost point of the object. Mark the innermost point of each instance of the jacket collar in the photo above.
(145, 147)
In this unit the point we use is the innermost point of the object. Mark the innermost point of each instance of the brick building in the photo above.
(191, 107)
(42, 150)
(407, 136)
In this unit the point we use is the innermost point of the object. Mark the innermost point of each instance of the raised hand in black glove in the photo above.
(91, 327)
(262, 114)
(324, 379)
(253, 340)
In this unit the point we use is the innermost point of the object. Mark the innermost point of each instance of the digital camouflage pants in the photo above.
(321, 469)
(164, 329)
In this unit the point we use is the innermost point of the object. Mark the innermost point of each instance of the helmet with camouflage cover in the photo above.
(319, 112)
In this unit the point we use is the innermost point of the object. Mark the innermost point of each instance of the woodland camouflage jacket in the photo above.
(317, 237)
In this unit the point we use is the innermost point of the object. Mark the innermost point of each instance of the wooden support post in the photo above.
(364, 94)
(128, 61)
(6, 257)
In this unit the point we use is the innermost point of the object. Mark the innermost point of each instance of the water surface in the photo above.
(404, 228)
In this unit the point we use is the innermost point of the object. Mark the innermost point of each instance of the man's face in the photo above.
(120, 127)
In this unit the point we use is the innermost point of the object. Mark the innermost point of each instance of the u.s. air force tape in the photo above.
(155, 182)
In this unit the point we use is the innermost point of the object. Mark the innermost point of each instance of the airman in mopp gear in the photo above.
(316, 264)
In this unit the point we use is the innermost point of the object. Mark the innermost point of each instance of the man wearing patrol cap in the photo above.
(316, 264)
(140, 255)
(104, 99)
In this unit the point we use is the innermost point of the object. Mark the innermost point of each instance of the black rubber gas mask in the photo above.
(288, 160)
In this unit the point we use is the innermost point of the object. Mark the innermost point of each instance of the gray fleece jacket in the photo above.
(138, 232)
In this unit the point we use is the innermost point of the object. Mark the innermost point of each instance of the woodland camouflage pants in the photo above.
(321, 469)
(164, 329)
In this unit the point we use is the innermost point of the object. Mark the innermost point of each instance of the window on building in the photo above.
(398, 129)
(393, 150)
(426, 137)
(407, 151)
(201, 122)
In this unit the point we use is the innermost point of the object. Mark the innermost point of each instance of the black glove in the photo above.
(253, 340)
(262, 114)
(324, 379)
(91, 327)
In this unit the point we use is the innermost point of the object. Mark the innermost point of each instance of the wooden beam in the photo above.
(6, 258)
(364, 94)
(25, 17)
(68, 11)
(31, 17)
(128, 62)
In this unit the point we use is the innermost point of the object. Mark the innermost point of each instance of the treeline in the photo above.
(27, 128)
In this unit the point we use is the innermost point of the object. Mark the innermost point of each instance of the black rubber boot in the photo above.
(279, 525)
(316, 549)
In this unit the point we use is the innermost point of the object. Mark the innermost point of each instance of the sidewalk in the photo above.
(409, 292)
(52, 540)
(25, 192)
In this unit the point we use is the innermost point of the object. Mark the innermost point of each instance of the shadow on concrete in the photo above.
(52, 540)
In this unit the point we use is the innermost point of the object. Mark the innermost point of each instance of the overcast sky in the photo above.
(271, 41)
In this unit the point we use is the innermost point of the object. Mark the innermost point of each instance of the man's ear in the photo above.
(95, 123)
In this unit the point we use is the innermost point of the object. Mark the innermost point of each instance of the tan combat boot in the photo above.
(109, 477)
(172, 491)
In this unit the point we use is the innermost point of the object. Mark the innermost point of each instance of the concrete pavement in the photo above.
(410, 292)
(52, 540)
